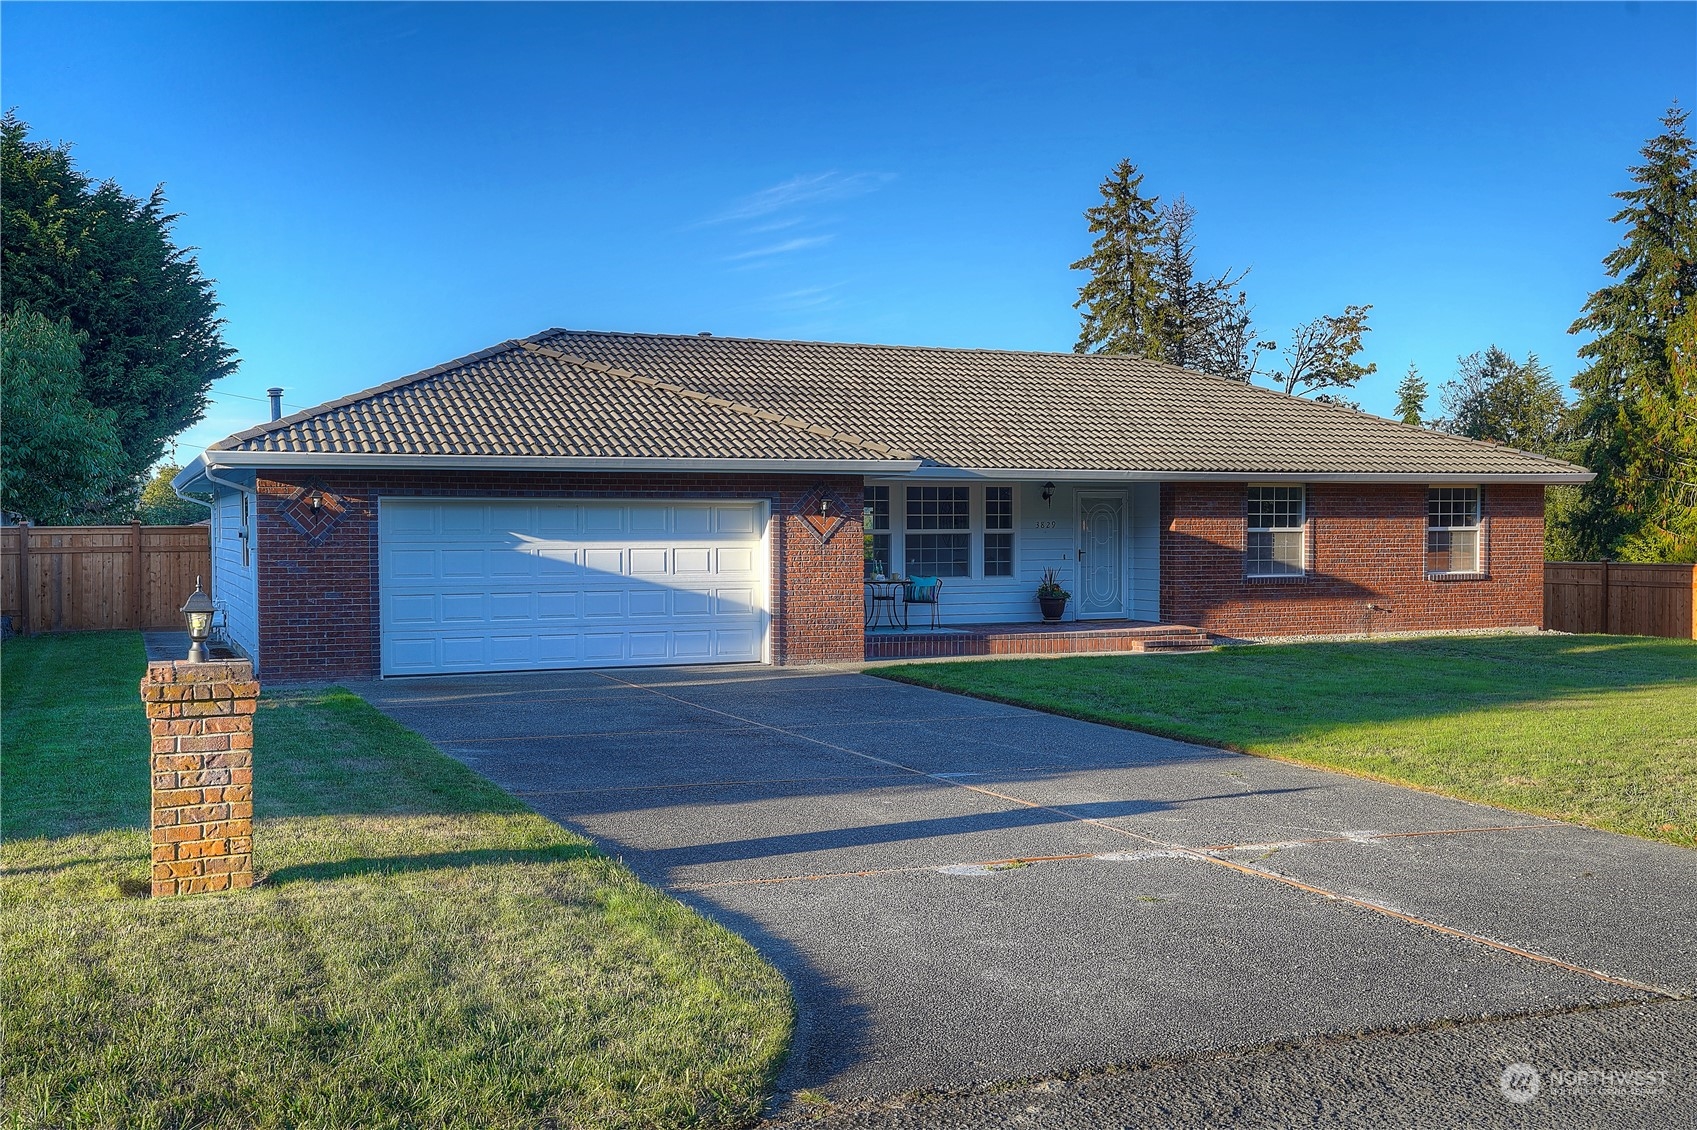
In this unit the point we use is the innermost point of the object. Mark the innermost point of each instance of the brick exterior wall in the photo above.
(319, 615)
(1366, 545)
(200, 716)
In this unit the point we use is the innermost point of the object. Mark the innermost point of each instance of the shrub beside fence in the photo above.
(1622, 600)
(92, 578)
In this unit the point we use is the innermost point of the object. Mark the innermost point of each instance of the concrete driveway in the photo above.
(962, 892)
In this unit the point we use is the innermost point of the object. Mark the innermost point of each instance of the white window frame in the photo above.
(1477, 529)
(974, 511)
(888, 533)
(1300, 530)
(1011, 530)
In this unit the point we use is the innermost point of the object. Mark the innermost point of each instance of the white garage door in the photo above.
(533, 585)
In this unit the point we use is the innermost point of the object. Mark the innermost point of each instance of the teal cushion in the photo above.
(922, 590)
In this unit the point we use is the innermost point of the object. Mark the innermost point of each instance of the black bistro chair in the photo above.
(926, 591)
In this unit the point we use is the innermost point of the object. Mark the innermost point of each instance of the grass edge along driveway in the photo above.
(1597, 730)
(422, 949)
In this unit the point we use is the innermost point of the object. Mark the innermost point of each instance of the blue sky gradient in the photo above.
(381, 188)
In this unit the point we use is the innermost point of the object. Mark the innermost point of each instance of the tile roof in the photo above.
(525, 399)
(565, 392)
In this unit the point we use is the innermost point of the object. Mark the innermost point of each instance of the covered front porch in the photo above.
(1066, 637)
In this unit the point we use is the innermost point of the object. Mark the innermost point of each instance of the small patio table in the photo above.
(882, 600)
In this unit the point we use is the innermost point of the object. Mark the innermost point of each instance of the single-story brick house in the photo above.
(600, 499)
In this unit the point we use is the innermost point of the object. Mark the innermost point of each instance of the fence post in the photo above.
(138, 602)
(1608, 620)
(23, 578)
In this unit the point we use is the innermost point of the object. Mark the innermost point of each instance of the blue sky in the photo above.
(378, 189)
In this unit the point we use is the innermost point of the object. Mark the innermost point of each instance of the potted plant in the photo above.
(1051, 597)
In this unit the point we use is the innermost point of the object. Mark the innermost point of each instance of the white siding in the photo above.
(1045, 536)
(235, 583)
(1144, 530)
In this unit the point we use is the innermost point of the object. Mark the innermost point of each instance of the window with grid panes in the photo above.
(998, 531)
(938, 537)
(875, 522)
(1452, 530)
(1274, 546)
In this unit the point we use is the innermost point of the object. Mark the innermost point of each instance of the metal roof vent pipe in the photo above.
(276, 395)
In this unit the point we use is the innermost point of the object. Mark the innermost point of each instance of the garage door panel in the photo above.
(609, 561)
(735, 520)
(558, 605)
(480, 586)
(462, 519)
(692, 521)
(649, 603)
(460, 563)
(603, 604)
(648, 562)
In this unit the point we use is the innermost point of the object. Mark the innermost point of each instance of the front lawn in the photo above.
(422, 950)
(1599, 730)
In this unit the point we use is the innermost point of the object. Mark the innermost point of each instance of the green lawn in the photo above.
(1600, 730)
(422, 949)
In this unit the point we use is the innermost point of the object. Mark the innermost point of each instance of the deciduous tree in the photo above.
(1321, 356)
(62, 464)
(162, 506)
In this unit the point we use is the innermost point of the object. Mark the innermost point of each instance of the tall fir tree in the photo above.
(1496, 398)
(1637, 411)
(1120, 304)
(85, 251)
(1411, 398)
(1203, 321)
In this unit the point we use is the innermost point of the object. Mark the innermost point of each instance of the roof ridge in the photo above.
(1132, 357)
(795, 423)
(328, 406)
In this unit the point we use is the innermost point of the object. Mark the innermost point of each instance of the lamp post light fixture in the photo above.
(197, 610)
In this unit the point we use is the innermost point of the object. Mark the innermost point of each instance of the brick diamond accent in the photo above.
(824, 512)
(314, 523)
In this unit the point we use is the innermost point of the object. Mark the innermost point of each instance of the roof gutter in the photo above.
(1057, 474)
(338, 460)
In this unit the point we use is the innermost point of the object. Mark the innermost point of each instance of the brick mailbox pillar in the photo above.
(201, 719)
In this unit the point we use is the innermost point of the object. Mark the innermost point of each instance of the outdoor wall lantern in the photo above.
(316, 499)
(197, 610)
(1049, 494)
(824, 507)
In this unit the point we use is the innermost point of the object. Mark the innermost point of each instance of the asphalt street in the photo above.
(965, 894)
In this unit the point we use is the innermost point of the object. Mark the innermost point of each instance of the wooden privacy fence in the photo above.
(89, 578)
(1621, 600)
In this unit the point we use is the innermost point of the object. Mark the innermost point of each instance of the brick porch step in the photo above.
(1071, 638)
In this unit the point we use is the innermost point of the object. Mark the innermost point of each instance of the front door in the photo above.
(1101, 550)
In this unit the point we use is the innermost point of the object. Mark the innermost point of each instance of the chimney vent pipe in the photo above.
(276, 395)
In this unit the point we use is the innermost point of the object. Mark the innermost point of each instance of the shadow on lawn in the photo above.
(1276, 692)
(433, 861)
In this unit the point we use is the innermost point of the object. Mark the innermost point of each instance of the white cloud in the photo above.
(800, 243)
(807, 188)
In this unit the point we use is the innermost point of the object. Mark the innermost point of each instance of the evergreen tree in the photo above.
(1411, 398)
(89, 253)
(1637, 412)
(1120, 304)
(1496, 398)
(1204, 325)
(62, 465)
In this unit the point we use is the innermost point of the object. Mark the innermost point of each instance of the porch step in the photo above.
(1098, 638)
(1177, 640)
